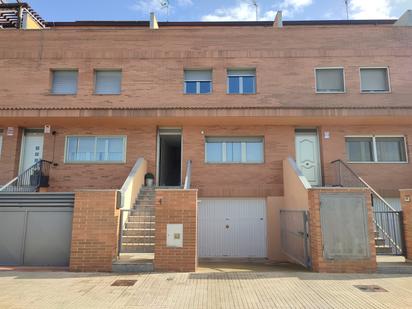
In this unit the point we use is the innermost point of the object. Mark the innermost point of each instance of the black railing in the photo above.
(30, 180)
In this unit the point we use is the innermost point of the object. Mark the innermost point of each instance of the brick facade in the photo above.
(406, 202)
(95, 231)
(319, 263)
(10, 155)
(176, 207)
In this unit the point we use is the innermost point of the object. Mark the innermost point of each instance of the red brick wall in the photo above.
(176, 207)
(376, 174)
(153, 75)
(319, 263)
(249, 180)
(141, 142)
(407, 220)
(95, 231)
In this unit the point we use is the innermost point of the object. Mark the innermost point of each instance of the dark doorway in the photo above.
(170, 158)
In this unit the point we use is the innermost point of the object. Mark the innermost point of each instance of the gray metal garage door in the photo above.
(35, 228)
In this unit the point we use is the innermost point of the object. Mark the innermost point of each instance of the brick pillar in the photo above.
(319, 262)
(176, 207)
(10, 155)
(95, 231)
(406, 202)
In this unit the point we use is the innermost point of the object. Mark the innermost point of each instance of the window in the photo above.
(329, 80)
(374, 80)
(234, 150)
(95, 149)
(198, 81)
(376, 149)
(108, 81)
(64, 81)
(241, 81)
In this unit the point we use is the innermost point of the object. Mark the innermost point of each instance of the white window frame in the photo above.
(374, 150)
(375, 92)
(197, 82)
(52, 71)
(243, 149)
(330, 68)
(95, 71)
(124, 137)
(241, 80)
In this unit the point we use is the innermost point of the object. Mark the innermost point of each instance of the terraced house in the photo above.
(266, 141)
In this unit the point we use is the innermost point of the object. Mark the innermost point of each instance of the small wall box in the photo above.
(174, 236)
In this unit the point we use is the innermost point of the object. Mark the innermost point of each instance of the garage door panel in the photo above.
(234, 227)
(11, 237)
(48, 238)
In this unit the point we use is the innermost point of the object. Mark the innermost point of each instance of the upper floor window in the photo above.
(97, 149)
(241, 81)
(108, 81)
(330, 80)
(376, 149)
(64, 81)
(234, 150)
(198, 81)
(374, 79)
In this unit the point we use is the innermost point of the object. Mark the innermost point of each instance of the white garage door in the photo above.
(234, 227)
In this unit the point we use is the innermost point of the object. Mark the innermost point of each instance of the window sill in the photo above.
(234, 163)
(62, 94)
(330, 92)
(95, 163)
(375, 92)
(106, 94)
(377, 162)
(241, 93)
(194, 94)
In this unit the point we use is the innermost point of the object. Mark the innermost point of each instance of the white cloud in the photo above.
(147, 6)
(371, 9)
(243, 11)
(290, 7)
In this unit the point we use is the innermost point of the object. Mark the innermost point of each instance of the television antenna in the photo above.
(347, 9)
(256, 5)
(164, 4)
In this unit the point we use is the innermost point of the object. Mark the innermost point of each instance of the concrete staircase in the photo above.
(139, 232)
(381, 247)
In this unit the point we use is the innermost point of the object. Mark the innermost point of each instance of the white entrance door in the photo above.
(32, 149)
(307, 155)
(232, 227)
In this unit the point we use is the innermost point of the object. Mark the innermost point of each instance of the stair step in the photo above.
(141, 239)
(132, 268)
(137, 248)
(141, 218)
(379, 241)
(138, 232)
(383, 249)
(137, 225)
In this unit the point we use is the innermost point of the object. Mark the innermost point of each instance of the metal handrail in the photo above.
(365, 184)
(30, 179)
(188, 175)
(374, 195)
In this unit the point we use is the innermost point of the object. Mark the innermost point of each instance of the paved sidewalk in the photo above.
(279, 289)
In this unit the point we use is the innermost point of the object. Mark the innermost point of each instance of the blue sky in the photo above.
(196, 10)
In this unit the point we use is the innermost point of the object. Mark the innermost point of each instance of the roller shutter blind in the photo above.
(64, 81)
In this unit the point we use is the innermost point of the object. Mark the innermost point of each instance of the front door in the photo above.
(169, 157)
(31, 148)
(307, 155)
